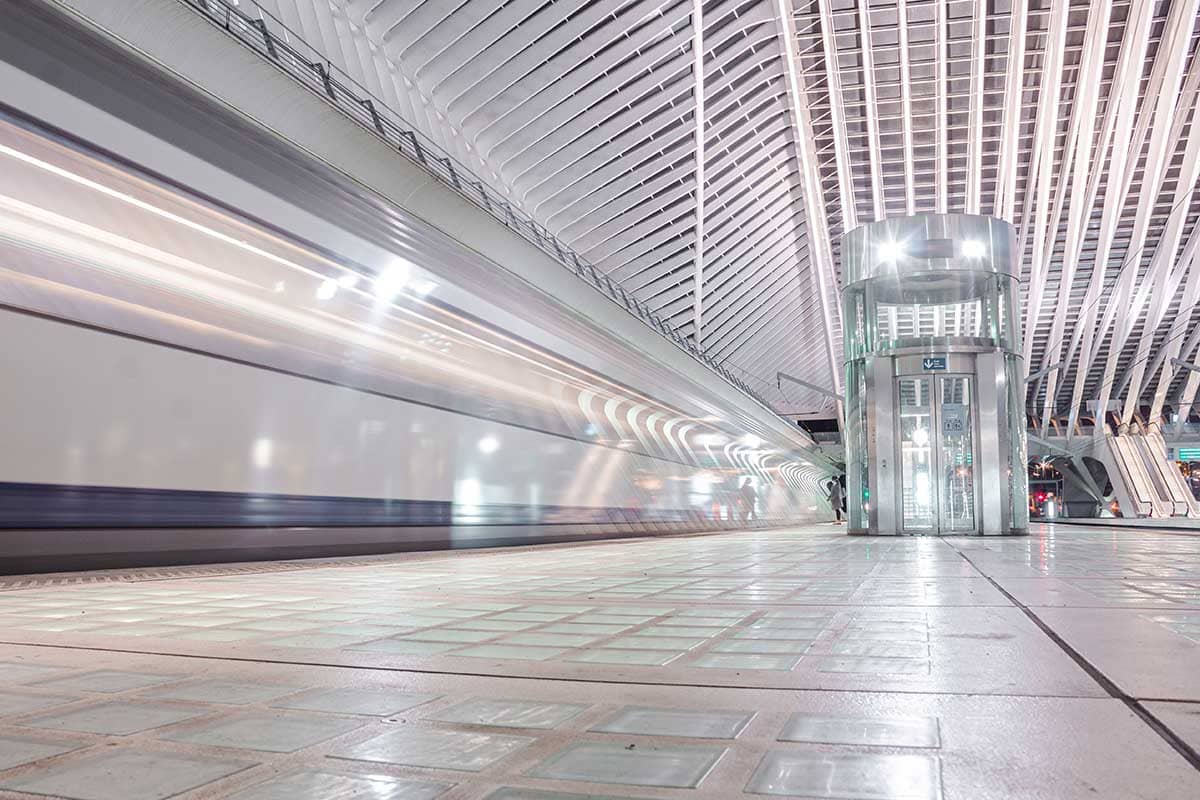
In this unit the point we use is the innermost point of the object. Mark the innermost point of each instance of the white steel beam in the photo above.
(941, 160)
(1172, 345)
(1006, 181)
(1161, 278)
(837, 114)
(1082, 191)
(1180, 20)
(975, 134)
(1038, 201)
(871, 109)
(820, 249)
(910, 198)
(1123, 97)
(698, 247)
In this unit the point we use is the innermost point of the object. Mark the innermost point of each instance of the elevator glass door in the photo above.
(937, 455)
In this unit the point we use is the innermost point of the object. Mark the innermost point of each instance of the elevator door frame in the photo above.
(937, 451)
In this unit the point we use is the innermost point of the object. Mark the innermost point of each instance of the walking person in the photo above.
(748, 499)
(835, 498)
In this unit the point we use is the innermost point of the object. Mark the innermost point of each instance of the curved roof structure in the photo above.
(803, 118)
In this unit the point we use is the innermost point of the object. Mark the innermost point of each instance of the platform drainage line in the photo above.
(1188, 752)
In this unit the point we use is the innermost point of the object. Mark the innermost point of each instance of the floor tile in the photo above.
(908, 732)
(226, 635)
(356, 700)
(406, 648)
(509, 713)
(25, 702)
(274, 733)
(654, 643)
(315, 641)
(514, 652)
(585, 628)
(746, 661)
(681, 766)
(761, 646)
(848, 776)
(217, 691)
(875, 666)
(881, 649)
(108, 681)
(493, 625)
(550, 639)
(142, 776)
(15, 672)
(513, 793)
(319, 785)
(117, 718)
(697, 724)
(647, 658)
(17, 750)
(437, 749)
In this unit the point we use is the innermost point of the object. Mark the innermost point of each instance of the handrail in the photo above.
(314, 71)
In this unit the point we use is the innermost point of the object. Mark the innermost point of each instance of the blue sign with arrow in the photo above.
(933, 363)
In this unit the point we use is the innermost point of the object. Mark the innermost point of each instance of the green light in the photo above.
(1189, 454)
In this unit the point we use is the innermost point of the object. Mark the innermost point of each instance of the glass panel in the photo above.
(957, 493)
(916, 454)
(1018, 475)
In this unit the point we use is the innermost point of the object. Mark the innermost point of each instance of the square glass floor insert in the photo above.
(676, 722)
(762, 646)
(848, 776)
(901, 732)
(108, 681)
(875, 666)
(319, 785)
(654, 643)
(515, 793)
(746, 661)
(227, 635)
(449, 635)
(679, 766)
(513, 652)
(149, 776)
(400, 648)
(19, 673)
(354, 700)
(23, 702)
(645, 658)
(509, 713)
(273, 733)
(316, 641)
(217, 691)
(550, 639)
(16, 750)
(115, 719)
(437, 749)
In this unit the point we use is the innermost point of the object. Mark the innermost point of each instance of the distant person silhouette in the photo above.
(835, 498)
(748, 499)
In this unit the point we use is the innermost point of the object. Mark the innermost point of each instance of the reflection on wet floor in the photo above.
(830, 666)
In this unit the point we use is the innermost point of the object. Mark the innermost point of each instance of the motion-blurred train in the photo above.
(184, 381)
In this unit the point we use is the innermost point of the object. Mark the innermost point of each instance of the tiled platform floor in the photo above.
(799, 663)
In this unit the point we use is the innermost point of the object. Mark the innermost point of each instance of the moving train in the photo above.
(185, 382)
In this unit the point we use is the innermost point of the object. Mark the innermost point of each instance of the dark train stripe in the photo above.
(32, 506)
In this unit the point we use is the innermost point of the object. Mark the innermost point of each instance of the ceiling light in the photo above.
(750, 440)
(488, 445)
(891, 250)
(973, 248)
(348, 281)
